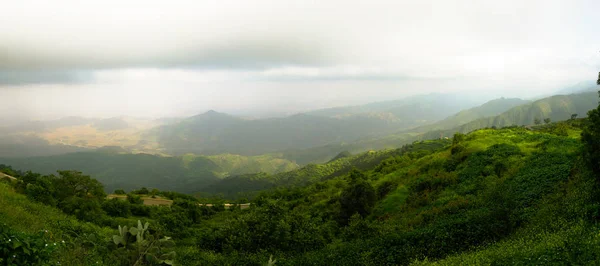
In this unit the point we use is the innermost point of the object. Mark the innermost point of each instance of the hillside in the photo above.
(556, 108)
(493, 196)
(323, 153)
(491, 108)
(247, 185)
(215, 133)
(132, 171)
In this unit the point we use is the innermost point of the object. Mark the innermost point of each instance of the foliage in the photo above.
(359, 198)
(146, 249)
(24, 249)
(514, 195)
(117, 207)
(591, 138)
(188, 173)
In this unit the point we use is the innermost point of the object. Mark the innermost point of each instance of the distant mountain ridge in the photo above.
(213, 132)
(557, 108)
(491, 108)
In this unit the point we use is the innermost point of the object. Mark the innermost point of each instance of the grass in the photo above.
(574, 245)
(393, 202)
(81, 239)
(23, 214)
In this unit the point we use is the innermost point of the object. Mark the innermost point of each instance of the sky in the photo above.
(260, 58)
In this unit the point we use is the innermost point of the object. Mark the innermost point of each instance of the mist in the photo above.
(268, 58)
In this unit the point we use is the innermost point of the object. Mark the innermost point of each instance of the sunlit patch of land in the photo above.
(87, 136)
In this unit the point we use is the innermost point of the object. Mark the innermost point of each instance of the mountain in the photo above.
(557, 108)
(117, 169)
(409, 112)
(215, 133)
(491, 108)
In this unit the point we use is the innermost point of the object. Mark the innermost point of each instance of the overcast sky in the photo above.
(163, 58)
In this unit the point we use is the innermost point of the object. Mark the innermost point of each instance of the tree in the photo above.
(573, 116)
(591, 139)
(75, 184)
(117, 207)
(598, 82)
(42, 190)
(120, 192)
(547, 120)
(142, 191)
(134, 199)
(359, 197)
(537, 121)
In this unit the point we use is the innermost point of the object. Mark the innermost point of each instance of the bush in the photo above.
(117, 207)
(23, 249)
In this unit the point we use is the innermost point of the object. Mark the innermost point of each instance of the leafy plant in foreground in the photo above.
(146, 249)
(22, 249)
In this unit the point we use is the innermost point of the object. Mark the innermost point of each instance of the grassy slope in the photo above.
(22, 215)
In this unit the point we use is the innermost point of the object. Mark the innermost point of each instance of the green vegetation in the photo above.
(555, 108)
(491, 108)
(514, 195)
(246, 186)
(117, 170)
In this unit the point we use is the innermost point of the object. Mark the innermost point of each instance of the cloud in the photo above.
(346, 73)
(291, 41)
(21, 78)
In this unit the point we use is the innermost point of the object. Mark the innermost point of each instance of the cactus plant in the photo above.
(145, 249)
(121, 239)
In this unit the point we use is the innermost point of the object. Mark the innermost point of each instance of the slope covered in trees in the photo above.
(554, 108)
(247, 185)
(493, 196)
(185, 174)
(491, 108)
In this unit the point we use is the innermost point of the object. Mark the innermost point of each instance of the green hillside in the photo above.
(492, 197)
(184, 174)
(557, 108)
(246, 185)
(35, 225)
(491, 108)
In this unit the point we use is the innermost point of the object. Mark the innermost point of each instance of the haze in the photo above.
(270, 58)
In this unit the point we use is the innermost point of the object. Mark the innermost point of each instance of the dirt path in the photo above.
(162, 201)
(3, 175)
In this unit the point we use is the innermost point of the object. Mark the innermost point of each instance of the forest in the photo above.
(504, 195)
